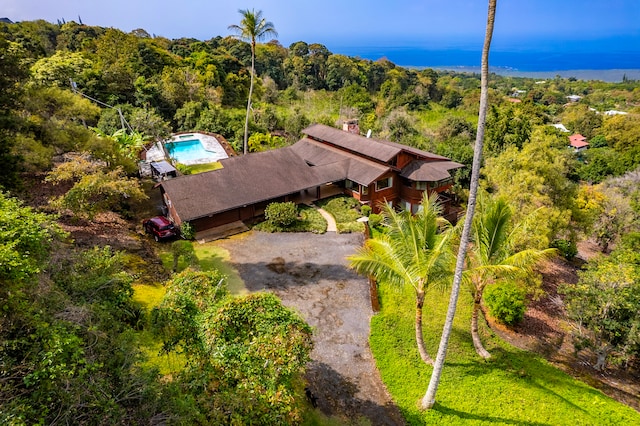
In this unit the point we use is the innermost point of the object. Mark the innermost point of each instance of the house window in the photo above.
(384, 183)
(349, 184)
(422, 186)
(364, 190)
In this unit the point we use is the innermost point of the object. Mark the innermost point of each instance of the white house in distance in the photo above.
(578, 142)
(614, 112)
(561, 127)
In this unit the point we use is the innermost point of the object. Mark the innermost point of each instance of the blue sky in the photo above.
(431, 24)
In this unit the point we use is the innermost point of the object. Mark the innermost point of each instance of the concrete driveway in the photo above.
(309, 273)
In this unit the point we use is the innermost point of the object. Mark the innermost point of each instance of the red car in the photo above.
(160, 227)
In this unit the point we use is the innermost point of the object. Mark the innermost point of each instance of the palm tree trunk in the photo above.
(245, 145)
(424, 355)
(477, 343)
(429, 398)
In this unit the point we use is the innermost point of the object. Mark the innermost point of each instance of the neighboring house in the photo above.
(574, 98)
(578, 142)
(561, 127)
(614, 112)
(325, 162)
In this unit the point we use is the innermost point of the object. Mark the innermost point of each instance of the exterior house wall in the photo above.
(219, 219)
(414, 196)
(385, 195)
(403, 159)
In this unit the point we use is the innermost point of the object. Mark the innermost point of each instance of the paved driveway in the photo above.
(309, 273)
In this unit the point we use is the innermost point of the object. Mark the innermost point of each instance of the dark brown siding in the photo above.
(223, 218)
(388, 194)
(414, 196)
(404, 159)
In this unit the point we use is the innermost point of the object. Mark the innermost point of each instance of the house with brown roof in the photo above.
(326, 161)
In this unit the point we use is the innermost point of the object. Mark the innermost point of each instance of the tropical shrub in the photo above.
(281, 214)
(375, 220)
(506, 302)
(567, 248)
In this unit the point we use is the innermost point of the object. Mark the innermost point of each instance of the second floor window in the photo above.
(384, 183)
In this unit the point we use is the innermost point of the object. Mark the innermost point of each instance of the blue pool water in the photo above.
(189, 152)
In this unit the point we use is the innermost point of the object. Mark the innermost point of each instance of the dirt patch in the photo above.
(309, 273)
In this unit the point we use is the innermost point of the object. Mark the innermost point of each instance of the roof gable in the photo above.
(371, 148)
(429, 171)
(376, 149)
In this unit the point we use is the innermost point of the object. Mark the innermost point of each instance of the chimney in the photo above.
(351, 126)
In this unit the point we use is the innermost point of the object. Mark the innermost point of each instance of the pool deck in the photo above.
(209, 143)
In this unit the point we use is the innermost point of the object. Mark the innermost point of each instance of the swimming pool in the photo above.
(190, 148)
(188, 152)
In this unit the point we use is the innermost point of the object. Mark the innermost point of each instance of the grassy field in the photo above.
(200, 168)
(514, 387)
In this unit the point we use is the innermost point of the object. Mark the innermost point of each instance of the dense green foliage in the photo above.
(95, 188)
(506, 302)
(281, 214)
(604, 304)
(244, 354)
(68, 350)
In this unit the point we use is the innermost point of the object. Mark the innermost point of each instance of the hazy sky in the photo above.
(520, 24)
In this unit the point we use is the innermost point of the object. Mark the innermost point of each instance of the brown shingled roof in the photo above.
(377, 149)
(359, 169)
(368, 147)
(246, 180)
(429, 171)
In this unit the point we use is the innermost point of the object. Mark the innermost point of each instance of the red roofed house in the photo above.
(324, 162)
(578, 142)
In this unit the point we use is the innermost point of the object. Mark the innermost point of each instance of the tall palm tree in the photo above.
(253, 27)
(430, 396)
(490, 257)
(415, 251)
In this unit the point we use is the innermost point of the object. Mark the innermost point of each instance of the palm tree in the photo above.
(430, 396)
(490, 257)
(413, 252)
(253, 27)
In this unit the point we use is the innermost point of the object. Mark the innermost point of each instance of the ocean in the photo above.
(609, 66)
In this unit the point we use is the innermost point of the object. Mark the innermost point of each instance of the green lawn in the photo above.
(199, 168)
(210, 256)
(514, 387)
